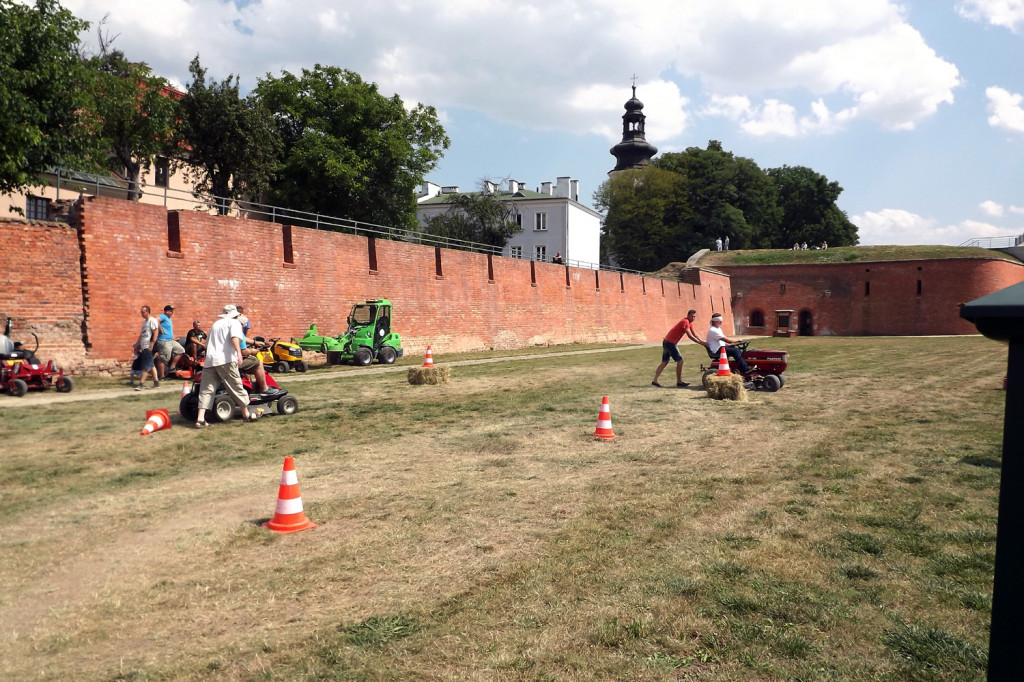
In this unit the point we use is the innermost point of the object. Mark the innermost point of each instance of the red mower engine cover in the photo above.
(767, 361)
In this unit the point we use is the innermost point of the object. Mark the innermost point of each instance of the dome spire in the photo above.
(634, 151)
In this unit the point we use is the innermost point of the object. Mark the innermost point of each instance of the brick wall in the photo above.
(127, 262)
(42, 287)
(881, 298)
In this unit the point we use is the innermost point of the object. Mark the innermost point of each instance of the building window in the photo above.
(757, 319)
(36, 208)
(515, 251)
(918, 287)
(161, 171)
(540, 253)
(867, 288)
(519, 220)
(540, 221)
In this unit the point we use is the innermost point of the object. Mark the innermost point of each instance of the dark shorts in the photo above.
(145, 360)
(669, 351)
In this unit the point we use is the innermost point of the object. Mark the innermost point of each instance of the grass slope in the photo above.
(842, 528)
(844, 254)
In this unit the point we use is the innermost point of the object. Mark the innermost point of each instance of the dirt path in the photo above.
(172, 385)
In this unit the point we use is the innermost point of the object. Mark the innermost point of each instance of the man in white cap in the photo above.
(717, 338)
(223, 352)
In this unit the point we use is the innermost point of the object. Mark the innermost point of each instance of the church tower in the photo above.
(634, 151)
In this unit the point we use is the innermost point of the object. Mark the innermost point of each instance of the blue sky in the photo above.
(913, 107)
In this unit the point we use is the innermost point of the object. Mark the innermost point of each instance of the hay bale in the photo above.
(727, 388)
(419, 376)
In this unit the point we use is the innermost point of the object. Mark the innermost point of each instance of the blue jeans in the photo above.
(733, 353)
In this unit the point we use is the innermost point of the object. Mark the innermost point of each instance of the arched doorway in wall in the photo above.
(806, 323)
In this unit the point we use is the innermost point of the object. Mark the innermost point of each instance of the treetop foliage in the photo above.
(684, 201)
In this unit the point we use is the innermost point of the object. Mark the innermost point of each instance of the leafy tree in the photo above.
(131, 113)
(730, 196)
(228, 143)
(809, 213)
(348, 151)
(647, 218)
(40, 97)
(482, 218)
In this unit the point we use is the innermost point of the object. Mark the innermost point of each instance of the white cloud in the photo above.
(557, 64)
(775, 118)
(1006, 109)
(1006, 13)
(1019, 210)
(991, 208)
(896, 226)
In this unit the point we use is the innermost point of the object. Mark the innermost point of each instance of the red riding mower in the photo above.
(21, 370)
(764, 367)
(223, 406)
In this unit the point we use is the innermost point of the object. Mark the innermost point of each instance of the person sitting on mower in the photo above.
(195, 342)
(717, 339)
(253, 366)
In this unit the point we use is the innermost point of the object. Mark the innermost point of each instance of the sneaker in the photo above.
(655, 383)
(271, 391)
(140, 387)
(682, 384)
(156, 384)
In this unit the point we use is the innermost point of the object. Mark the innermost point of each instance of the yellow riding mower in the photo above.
(280, 356)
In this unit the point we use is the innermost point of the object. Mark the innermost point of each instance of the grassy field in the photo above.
(840, 529)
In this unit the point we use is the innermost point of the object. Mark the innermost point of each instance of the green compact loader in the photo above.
(368, 337)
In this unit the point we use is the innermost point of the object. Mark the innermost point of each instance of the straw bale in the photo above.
(727, 388)
(429, 375)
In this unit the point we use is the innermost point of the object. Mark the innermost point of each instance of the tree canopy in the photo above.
(40, 91)
(684, 201)
(482, 218)
(130, 113)
(347, 150)
(228, 144)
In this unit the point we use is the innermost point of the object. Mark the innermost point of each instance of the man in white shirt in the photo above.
(717, 338)
(223, 353)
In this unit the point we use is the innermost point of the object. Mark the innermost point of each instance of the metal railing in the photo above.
(995, 242)
(98, 185)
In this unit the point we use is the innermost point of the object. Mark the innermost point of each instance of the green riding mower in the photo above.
(369, 337)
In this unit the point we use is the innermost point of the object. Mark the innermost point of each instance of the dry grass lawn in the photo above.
(842, 528)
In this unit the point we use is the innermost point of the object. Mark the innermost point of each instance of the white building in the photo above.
(553, 220)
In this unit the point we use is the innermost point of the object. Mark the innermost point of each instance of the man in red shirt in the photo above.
(669, 350)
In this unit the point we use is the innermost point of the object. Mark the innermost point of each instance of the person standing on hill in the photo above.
(670, 349)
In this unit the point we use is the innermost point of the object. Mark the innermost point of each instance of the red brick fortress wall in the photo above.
(135, 254)
(881, 298)
(41, 288)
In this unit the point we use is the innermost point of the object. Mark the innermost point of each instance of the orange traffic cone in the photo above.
(604, 422)
(428, 361)
(723, 364)
(156, 420)
(288, 515)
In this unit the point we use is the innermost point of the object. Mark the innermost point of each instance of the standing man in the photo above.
(726, 242)
(717, 339)
(669, 349)
(718, 243)
(168, 350)
(223, 351)
(145, 346)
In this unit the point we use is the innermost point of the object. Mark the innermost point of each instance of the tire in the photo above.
(287, 405)
(704, 377)
(189, 407)
(771, 383)
(65, 384)
(223, 409)
(363, 357)
(281, 367)
(17, 387)
(387, 355)
(301, 366)
(782, 380)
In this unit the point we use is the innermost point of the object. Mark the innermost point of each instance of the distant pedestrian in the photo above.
(718, 243)
(796, 246)
(727, 243)
(804, 247)
(824, 246)
(557, 260)
(670, 350)
(145, 345)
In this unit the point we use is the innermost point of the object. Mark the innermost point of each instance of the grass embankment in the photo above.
(842, 528)
(844, 254)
